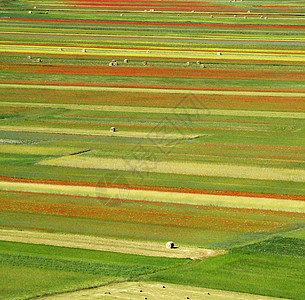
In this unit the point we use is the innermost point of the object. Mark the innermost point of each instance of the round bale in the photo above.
(170, 245)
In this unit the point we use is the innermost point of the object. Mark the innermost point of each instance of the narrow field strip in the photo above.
(158, 196)
(183, 168)
(124, 134)
(155, 291)
(160, 110)
(106, 244)
(37, 150)
(159, 24)
(160, 54)
(152, 90)
(152, 47)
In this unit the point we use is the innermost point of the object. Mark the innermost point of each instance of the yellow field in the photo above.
(161, 110)
(185, 168)
(152, 90)
(156, 291)
(37, 150)
(158, 196)
(106, 244)
(73, 131)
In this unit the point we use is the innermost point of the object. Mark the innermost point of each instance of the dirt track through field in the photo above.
(160, 110)
(156, 291)
(106, 244)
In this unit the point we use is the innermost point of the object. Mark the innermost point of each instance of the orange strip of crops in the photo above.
(150, 188)
(131, 215)
(128, 23)
(152, 72)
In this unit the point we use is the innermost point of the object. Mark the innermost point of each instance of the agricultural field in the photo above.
(127, 125)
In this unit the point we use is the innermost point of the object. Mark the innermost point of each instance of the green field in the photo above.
(66, 269)
(208, 104)
(274, 267)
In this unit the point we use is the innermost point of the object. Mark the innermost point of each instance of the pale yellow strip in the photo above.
(183, 168)
(153, 90)
(106, 244)
(73, 131)
(161, 110)
(155, 291)
(158, 196)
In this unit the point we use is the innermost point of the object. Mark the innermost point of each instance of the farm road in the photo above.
(105, 244)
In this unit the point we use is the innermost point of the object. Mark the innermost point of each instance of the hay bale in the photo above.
(262, 17)
(219, 53)
(110, 64)
(59, 49)
(121, 15)
(38, 59)
(211, 16)
(144, 63)
(192, 11)
(245, 17)
(84, 50)
(152, 10)
(170, 245)
(188, 63)
(30, 12)
(29, 57)
(266, 18)
(115, 63)
(249, 11)
(112, 129)
(198, 62)
(126, 61)
(148, 51)
(202, 66)
(235, 16)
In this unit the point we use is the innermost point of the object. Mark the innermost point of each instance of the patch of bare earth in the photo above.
(106, 244)
(155, 291)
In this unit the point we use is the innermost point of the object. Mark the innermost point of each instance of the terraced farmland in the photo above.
(143, 122)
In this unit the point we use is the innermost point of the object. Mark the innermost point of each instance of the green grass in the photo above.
(270, 268)
(67, 268)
